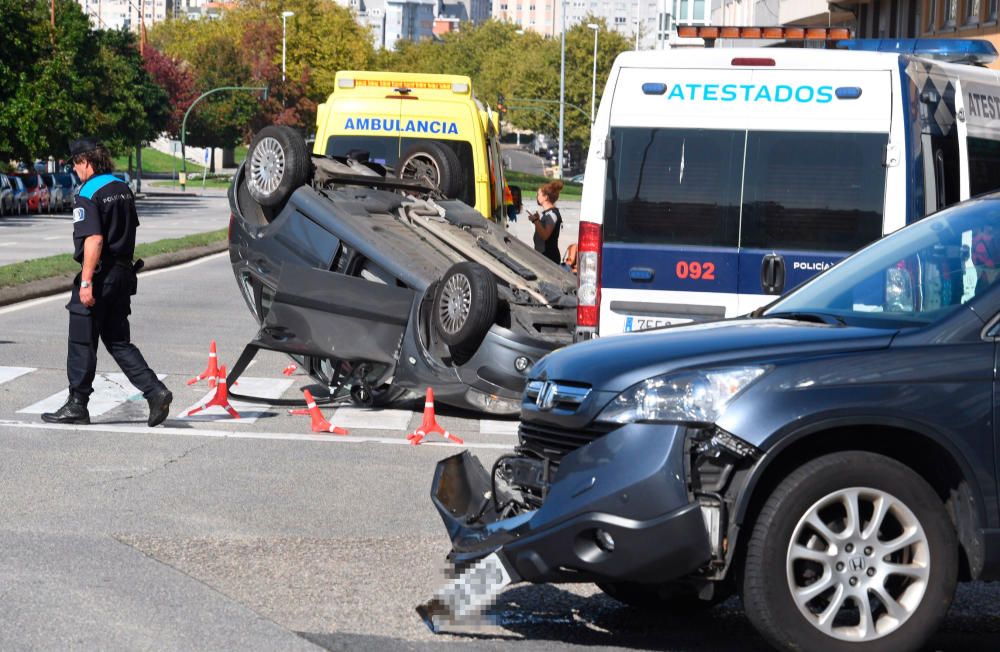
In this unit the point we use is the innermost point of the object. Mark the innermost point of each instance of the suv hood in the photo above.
(618, 362)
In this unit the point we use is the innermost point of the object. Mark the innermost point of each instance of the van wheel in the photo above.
(465, 306)
(278, 162)
(671, 597)
(435, 164)
(852, 551)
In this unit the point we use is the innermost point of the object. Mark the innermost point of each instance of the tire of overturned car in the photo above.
(435, 163)
(465, 306)
(277, 163)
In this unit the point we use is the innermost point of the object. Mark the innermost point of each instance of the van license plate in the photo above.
(633, 324)
(467, 597)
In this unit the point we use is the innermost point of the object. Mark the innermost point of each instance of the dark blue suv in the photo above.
(831, 457)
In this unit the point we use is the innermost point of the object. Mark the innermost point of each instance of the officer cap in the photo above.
(83, 146)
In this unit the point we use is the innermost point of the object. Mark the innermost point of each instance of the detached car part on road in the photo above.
(832, 457)
(382, 287)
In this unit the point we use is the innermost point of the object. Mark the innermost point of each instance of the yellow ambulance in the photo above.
(421, 126)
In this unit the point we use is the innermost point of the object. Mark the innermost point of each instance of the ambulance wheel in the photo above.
(465, 306)
(277, 164)
(435, 164)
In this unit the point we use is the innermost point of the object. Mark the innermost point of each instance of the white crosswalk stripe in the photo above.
(352, 417)
(113, 389)
(10, 373)
(494, 427)
(249, 412)
(110, 391)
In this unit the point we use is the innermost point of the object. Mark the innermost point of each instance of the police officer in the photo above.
(104, 224)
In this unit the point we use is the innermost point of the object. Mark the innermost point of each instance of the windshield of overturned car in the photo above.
(914, 277)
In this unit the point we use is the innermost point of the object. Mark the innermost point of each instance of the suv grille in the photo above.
(553, 443)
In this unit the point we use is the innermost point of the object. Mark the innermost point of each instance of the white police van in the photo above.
(718, 178)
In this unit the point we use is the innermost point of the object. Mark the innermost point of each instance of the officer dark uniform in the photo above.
(104, 226)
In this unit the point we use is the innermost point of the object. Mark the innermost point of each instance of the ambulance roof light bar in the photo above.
(460, 88)
(951, 50)
(778, 33)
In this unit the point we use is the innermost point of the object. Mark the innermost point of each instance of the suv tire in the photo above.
(435, 164)
(464, 308)
(856, 526)
(277, 164)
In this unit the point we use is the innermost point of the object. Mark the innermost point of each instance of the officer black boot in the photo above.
(74, 410)
(159, 406)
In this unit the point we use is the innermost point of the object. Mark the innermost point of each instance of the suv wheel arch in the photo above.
(926, 453)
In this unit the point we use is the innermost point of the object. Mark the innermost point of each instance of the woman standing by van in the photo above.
(549, 223)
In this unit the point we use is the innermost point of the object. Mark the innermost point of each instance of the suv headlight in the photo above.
(699, 396)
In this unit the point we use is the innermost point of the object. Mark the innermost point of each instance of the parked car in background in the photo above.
(58, 200)
(70, 185)
(20, 194)
(38, 192)
(6, 196)
(124, 176)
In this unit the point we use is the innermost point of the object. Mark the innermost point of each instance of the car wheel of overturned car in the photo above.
(277, 163)
(666, 598)
(851, 551)
(465, 305)
(433, 163)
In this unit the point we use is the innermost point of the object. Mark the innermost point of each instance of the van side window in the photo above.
(813, 191)
(984, 165)
(674, 186)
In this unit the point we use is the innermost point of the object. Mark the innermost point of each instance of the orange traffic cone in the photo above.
(430, 425)
(212, 371)
(319, 423)
(221, 398)
(290, 369)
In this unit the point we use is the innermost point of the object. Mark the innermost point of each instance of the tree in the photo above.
(69, 81)
(174, 77)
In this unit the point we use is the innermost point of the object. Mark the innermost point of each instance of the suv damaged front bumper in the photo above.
(616, 509)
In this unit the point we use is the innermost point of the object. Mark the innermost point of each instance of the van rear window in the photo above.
(674, 186)
(813, 191)
(800, 190)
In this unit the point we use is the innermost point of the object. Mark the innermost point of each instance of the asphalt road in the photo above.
(256, 534)
(522, 160)
(161, 215)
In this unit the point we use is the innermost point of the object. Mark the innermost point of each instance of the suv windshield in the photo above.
(914, 277)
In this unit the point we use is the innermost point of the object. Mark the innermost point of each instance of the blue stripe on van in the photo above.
(669, 267)
(800, 266)
(702, 269)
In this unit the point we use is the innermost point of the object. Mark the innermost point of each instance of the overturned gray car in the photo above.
(380, 287)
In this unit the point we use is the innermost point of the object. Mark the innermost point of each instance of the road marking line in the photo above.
(220, 434)
(7, 244)
(495, 427)
(10, 373)
(54, 237)
(110, 391)
(249, 411)
(65, 295)
(354, 417)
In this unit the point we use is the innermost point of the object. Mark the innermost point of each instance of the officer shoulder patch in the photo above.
(79, 214)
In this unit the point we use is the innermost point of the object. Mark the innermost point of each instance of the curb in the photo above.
(49, 286)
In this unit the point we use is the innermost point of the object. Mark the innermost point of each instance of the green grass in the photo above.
(40, 268)
(530, 183)
(192, 184)
(157, 162)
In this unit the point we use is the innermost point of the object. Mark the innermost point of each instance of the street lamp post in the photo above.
(183, 178)
(593, 85)
(562, 85)
(285, 15)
